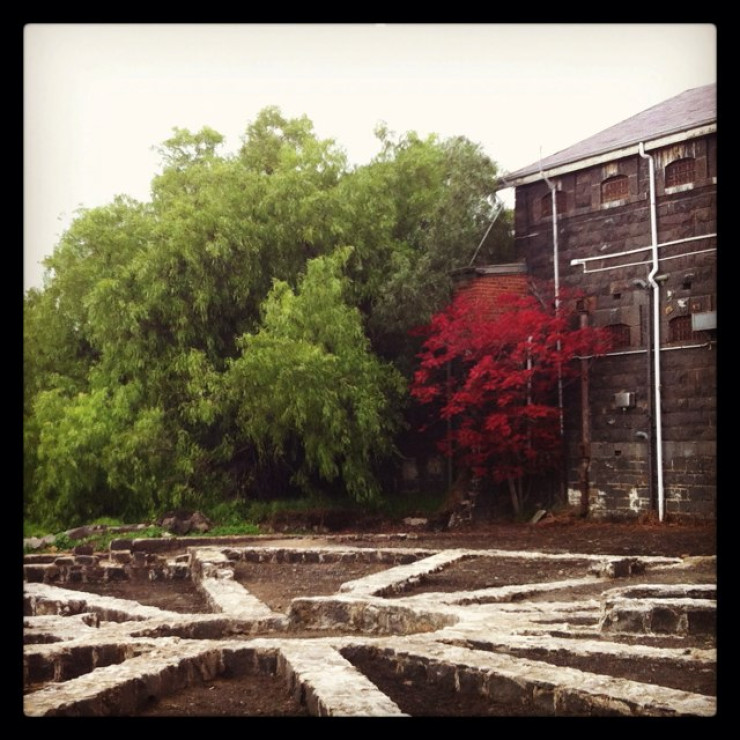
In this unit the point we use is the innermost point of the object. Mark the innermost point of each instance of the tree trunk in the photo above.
(515, 496)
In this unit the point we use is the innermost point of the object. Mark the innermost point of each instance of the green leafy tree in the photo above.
(418, 211)
(61, 346)
(307, 383)
(148, 308)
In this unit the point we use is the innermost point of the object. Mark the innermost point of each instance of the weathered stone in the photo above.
(36, 543)
(416, 522)
(79, 533)
(114, 572)
(85, 560)
(666, 620)
(181, 522)
(429, 637)
(538, 515)
(122, 556)
(34, 573)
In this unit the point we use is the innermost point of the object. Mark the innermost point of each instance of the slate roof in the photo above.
(691, 109)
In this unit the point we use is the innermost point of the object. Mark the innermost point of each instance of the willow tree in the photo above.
(422, 208)
(143, 302)
(307, 384)
(148, 310)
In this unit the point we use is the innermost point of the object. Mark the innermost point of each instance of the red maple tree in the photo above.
(492, 371)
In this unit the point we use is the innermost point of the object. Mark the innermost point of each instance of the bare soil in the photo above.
(278, 583)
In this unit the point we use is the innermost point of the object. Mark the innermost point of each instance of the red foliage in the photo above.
(493, 371)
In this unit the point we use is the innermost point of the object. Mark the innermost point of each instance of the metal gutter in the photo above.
(608, 156)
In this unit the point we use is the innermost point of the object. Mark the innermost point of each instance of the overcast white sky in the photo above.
(98, 99)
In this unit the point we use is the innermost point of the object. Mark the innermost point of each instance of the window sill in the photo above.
(615, 203)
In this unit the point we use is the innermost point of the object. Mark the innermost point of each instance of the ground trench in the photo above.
(393, 625)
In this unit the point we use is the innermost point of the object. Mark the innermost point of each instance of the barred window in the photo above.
(620, 335)
(615, 188)
(679, 329)
(680, 172)
(546, 203)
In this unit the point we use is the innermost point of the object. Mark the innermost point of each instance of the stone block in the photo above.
(569, 703)
(665, 620)
(702, 619)
(85, 560)
(507, 690)
(182, 571)
(412, 670)
(442, 675)
(115, 572)
(543, 700)
(37, 668)
(34, 573)
(469, 682)
(624, 618)
(239, 662)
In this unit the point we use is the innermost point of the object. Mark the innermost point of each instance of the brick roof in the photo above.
(690, 110)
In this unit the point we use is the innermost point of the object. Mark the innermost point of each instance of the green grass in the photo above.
(233, 530)
(238, 518)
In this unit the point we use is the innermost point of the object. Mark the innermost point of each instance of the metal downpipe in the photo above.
(556, 279)
(657, 410)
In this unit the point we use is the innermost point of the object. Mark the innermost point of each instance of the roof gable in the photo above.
(691, 109)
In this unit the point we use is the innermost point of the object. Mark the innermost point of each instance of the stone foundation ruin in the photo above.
(529, 647)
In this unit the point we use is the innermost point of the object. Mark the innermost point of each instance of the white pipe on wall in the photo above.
(656, 335)
(556, 278)
(614, 255)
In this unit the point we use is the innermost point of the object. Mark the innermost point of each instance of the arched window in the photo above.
(680, 172)
(546, 203)
(615, 188)
(620, 335)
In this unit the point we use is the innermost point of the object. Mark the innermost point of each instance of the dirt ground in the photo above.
(278, 583)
